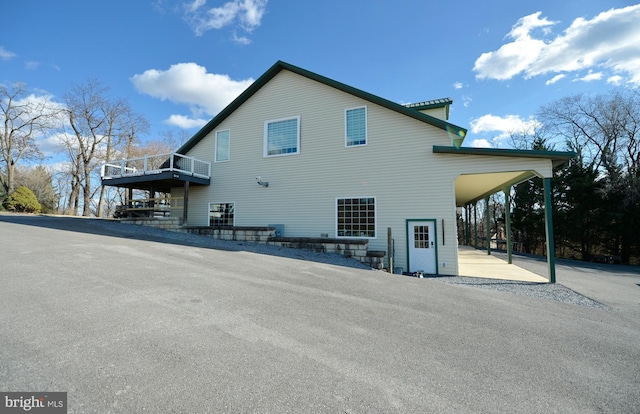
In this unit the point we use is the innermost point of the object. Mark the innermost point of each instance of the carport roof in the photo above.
(557, 157)
(473, 187)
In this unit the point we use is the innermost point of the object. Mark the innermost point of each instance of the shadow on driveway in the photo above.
(114, 228)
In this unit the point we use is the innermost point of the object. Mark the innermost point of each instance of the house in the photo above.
(318, 159)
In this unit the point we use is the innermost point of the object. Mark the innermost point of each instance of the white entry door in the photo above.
(422, 246)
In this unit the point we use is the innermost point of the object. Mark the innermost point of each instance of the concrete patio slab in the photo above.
(477, 263)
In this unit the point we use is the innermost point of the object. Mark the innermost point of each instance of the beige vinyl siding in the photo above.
(440, 113)
(397, 167)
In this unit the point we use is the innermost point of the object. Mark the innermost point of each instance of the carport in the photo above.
(474, 262)
(482, 172)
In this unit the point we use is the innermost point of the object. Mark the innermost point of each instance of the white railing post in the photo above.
(145, 164)
(123, 167)
(171, 156)
(192, 165)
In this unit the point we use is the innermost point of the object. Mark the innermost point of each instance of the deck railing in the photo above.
(154, 164)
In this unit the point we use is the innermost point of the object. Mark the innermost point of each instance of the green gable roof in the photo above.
(278, 66)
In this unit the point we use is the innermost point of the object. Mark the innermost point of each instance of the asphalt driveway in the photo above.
(128, 324)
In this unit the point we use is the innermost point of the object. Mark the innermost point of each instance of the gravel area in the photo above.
(555, 292)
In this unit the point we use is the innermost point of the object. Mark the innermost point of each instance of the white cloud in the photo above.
(615, 80)
(242, 40)
(191, 84)
(610, 41)
(480, 143)
(185, 122)
(53, 144)
(590, 77)
(31, 65)
(458, 85)
(245, 13)
(5, 54)
(515, 57)
(555, 79)
(466, 101)
(503, 127)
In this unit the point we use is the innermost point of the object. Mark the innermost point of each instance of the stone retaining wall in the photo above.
(356, 248)
(250, 234)
(164, 223)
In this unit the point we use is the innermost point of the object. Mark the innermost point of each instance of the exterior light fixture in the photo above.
(262, 183)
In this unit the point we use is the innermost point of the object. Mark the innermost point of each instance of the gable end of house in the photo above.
(410, 111)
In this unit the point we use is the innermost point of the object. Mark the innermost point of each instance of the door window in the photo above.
(421, 237)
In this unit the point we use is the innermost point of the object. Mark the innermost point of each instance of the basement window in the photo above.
(356, 217)
(221, 214)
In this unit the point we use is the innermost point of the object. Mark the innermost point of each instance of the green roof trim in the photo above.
(279, 66)
(434, 103)
(557, 157)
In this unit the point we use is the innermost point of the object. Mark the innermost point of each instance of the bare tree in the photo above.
(603, 183)
(24, 118)
(604, 130)
(99, 126)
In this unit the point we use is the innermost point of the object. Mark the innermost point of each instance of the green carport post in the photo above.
(467, 218)
(507, 222)
(488, 224)
(475, 224)
(548, 219)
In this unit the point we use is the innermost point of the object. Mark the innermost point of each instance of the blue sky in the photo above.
(180, 62)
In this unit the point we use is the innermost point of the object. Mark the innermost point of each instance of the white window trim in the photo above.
(375, 221)
(220, 202)
(366, 127)
(266, 136)
(215, 157)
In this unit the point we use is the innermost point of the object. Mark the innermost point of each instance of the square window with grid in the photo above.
(221, 214)
(421, 237)
(356, 217)
(282, 137)
(356, 126)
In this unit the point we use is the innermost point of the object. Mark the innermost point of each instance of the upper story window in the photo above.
(222, 145)
(282, 137)
(356, 126)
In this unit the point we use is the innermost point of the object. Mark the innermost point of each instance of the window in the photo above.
(282, 137)
(221, 214)
(421, 237)
(356, 217)
(356, 126)
(222, 145)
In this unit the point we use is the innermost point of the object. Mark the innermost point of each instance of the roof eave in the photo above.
(557, 157)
